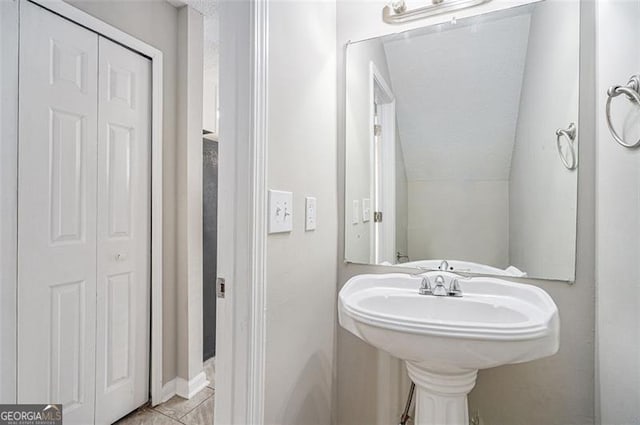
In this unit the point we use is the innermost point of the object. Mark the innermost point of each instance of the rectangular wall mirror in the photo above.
(462, 144)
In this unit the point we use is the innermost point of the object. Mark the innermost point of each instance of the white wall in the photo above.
(557, 390)
(211, 70)
(301, 266)
(358, 151)
(618, 218)
(462, 220)
(542, 193)
(189, 197)
(210, 100)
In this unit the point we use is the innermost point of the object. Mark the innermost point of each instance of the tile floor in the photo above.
(176, 411)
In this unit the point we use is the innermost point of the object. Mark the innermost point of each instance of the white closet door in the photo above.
(57, 214)
(124, 121)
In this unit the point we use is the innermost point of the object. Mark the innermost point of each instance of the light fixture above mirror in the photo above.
(397, 12)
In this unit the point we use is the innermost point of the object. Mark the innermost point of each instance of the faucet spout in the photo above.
(444, 265)
(439, 290)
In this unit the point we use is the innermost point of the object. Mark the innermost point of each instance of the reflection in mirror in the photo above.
(460, 144)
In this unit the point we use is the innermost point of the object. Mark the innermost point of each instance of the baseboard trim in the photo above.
(168, 390)
(187, 389)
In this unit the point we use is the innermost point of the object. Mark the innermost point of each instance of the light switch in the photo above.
(366, 210)
(280, 211)
(355, 217)
(310, 213)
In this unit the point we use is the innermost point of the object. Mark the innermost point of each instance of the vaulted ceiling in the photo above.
(457, 92)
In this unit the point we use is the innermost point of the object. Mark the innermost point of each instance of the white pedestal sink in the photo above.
(445, 340)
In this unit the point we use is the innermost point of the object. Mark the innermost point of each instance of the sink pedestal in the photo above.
(441, 397)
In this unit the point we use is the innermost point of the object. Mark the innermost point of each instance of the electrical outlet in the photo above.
(280, 211)
(311, 213)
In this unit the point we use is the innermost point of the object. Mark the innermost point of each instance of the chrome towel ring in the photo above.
(631, 91)
(570, 134)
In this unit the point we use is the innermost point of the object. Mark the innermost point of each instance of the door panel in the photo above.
(57, 213)
(122, 360)
(118, 151)
(68, 313)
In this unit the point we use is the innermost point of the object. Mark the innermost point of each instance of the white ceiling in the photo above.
(457, 98)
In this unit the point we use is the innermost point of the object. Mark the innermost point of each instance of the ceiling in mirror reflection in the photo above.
(467, 168)
(442, 90)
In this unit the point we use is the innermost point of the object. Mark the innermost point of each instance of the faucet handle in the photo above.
(454, 288)
(425, 286)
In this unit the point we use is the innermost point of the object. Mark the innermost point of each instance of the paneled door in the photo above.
(58, 115)
(83, 221)
(123, 260)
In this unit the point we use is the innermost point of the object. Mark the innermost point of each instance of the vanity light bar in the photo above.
(399, 15)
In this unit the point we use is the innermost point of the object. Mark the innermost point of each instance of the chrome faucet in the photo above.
(444, 265)
(439, 289)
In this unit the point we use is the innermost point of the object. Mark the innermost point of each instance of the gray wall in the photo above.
(557, 390)
(402, 200)
(458, 219)
(301, 266)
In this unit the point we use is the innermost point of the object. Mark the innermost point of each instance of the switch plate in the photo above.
(310, 213)
(280, 211)
(366, 210)
(355, 216)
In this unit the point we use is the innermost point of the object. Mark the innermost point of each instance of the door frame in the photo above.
(387, 114)
(242, 207)
(10, 144)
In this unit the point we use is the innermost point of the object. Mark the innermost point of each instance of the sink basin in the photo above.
(445, 340)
